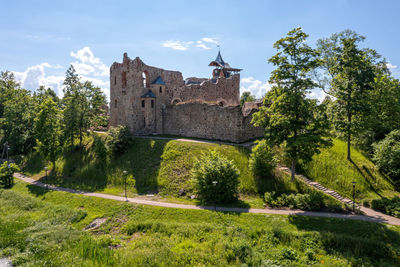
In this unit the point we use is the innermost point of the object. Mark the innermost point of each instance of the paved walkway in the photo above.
(370, 215)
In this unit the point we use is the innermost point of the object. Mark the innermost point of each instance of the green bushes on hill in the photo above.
(216, 178)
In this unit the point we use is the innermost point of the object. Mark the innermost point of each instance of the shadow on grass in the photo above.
(37, 190)
(367, 177)
(354, 239)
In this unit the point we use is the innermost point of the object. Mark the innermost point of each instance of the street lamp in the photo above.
(45, 178)
(354, 196)
(125, 174)
(215, 194)
(8, 150)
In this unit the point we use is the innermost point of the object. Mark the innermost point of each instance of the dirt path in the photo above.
(370, 215)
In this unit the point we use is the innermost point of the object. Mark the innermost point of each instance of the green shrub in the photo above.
(295, 201)
(388, 206)
(99, 149)
(7, 174)
(212, 167)
(387, 154)
(262, 161)
(118, 139)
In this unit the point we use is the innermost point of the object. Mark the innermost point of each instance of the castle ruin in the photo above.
(151, 100)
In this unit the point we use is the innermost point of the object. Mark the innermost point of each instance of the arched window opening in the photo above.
(152, 103)
(143, 104)
(115, 103)
(160, 89)
(145, 79)
(115, 80)
(123, 79)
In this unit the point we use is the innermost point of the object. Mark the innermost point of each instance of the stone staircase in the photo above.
(320, 187)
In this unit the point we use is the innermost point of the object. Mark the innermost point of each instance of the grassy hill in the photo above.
(333, 170)
(161, 167)
(46, 228)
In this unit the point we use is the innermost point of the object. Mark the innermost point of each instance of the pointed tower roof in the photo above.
(219, 62)
(158, 80)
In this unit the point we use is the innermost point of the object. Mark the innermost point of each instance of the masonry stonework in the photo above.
(151, 100)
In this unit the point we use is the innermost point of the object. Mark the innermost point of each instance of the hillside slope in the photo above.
(334, 171)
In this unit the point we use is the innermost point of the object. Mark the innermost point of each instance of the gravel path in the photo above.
(370, 215)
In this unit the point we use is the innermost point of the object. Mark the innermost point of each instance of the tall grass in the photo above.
(42, 232)
(333, 170)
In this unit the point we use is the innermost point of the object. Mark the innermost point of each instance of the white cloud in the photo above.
(256, 87)
(182, 45)
(390, 66)
(88, 63)
(210, 40)
(177, 45)
(87, 66)
(201, 45)
(35, 76)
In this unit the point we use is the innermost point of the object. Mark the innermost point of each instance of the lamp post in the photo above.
(215, 193)
(45, 178)
(125, 174)
(354, 196)
(8, 150)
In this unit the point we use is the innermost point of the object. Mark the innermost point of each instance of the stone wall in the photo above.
(209, 121)
(208, 108)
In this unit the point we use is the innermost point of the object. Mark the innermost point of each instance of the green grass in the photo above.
(40, 227)
(160, 166)
(334, 171)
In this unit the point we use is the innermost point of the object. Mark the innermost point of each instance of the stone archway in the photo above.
(176, 101)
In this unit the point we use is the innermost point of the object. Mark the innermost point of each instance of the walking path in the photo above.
(248, 144)
(325, 190)
(370, 215)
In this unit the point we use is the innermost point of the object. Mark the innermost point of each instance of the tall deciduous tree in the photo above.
(48, 130)
(246, 97)
(288, 116)
(83, 106)
(353, 77)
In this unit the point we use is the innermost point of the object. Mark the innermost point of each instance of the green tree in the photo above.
(262, 161)
(288, 116)
(17, 120)
(246, 97)
(351, 75)
(387, 155)
(48, 130)
(7, 171)
(83, 106)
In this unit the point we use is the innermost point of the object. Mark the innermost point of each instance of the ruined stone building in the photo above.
(151, 100)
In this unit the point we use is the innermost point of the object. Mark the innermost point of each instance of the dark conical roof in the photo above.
(219, 59)
(149, 94)
(158, 80)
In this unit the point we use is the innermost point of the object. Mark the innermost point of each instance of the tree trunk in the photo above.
(348, 136)
(293, 169)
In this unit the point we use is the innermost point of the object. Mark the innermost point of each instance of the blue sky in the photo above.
(40, 39)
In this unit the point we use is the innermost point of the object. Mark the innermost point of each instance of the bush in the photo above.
(7, 174)
(388, 206)
(262, 161)
(294, 201)
(213, 167)
(387, 154)
(118, 139)
(100, 149)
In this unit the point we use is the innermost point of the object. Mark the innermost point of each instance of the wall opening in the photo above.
(152, 103)
(175, 101)
(143, 104)
(115, 80)
(160, 89)
(115, 103)
(123, 79)
(145, 79)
